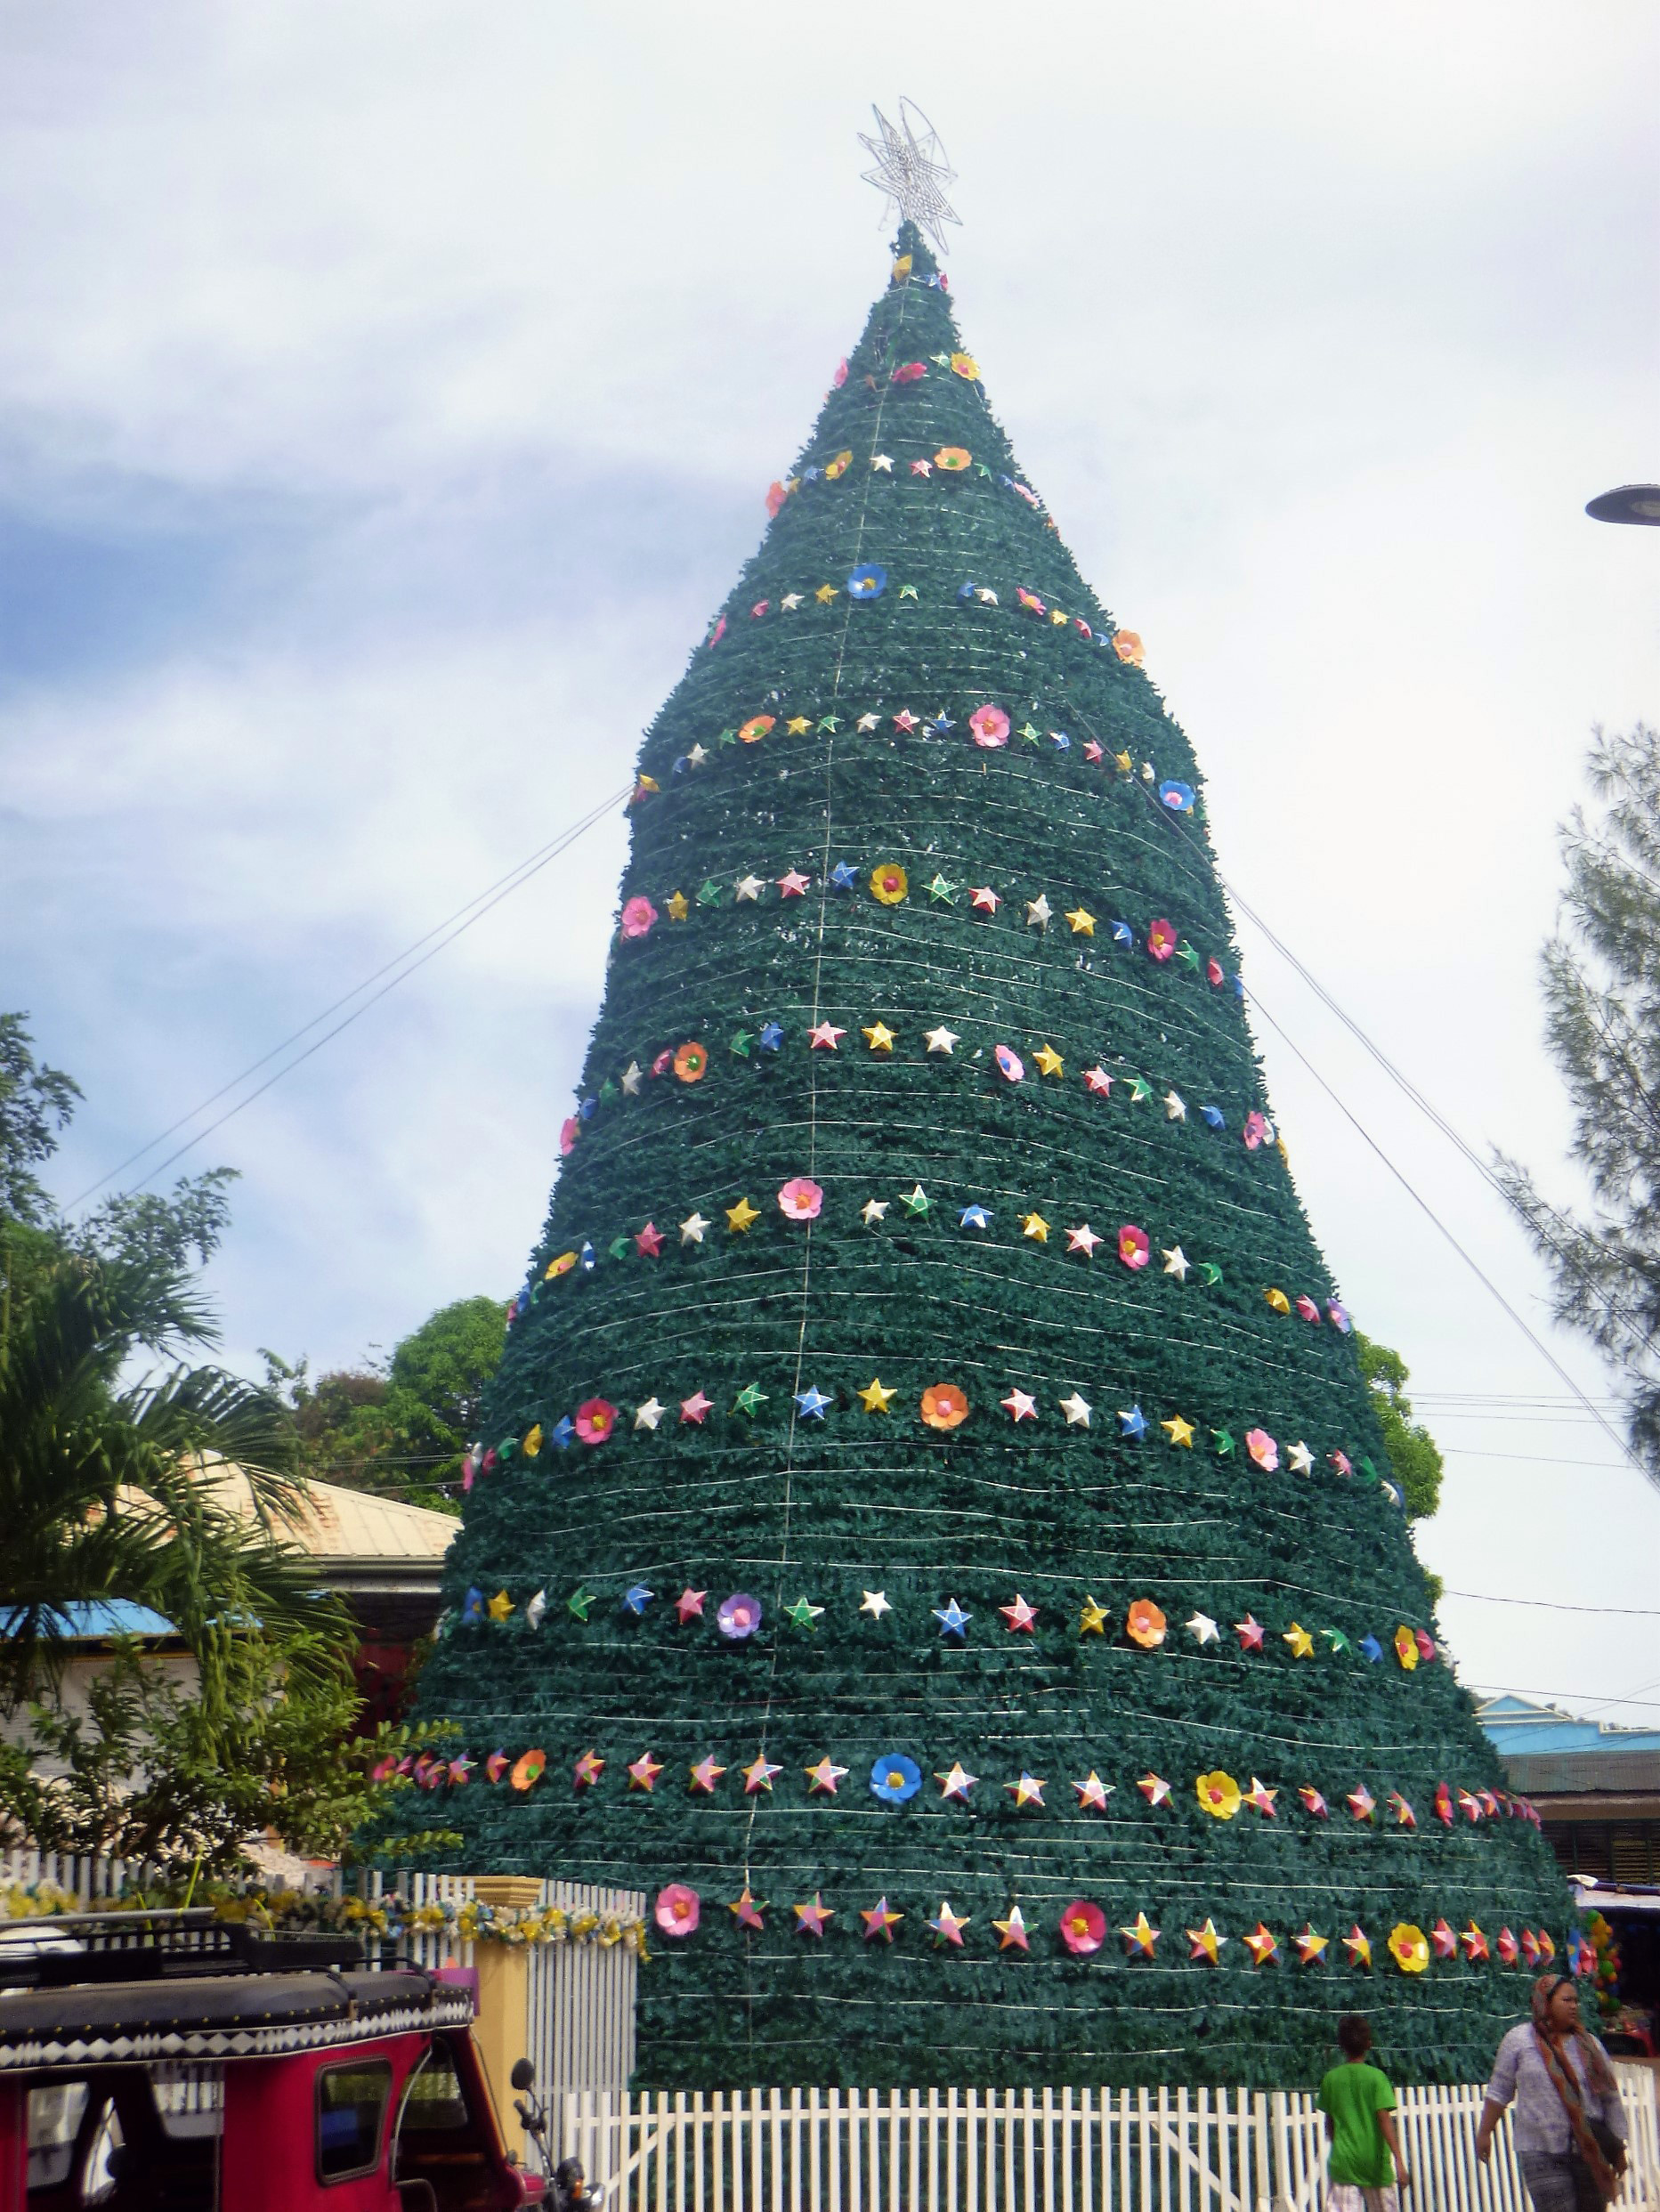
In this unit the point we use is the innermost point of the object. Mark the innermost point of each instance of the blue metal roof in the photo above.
(91, 1621)
(1517, 1725)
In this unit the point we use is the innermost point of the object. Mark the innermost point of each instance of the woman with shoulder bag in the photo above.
(1570, 2126)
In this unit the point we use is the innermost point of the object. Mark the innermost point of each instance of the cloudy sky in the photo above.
(387, 393)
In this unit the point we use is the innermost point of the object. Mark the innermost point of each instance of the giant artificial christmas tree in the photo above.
(931, 1534)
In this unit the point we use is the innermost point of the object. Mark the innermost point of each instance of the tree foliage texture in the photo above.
(1601, 978)
(111, 1433)
(400, 1429)
(1413, 1453)
(898, 800)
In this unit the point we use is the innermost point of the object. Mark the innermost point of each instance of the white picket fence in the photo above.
(1035, 2151)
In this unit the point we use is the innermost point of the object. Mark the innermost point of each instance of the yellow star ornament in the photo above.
(1036, 1227)
(1300, 1642)
(1092, 1620)
(742, 1216)
(1179, 1431)
(499, 1605)
(879, 1037)
(874, 1398)
(677, 907)
(798, 726)
(1082, 923)
(1049, 1061)
(825, 594)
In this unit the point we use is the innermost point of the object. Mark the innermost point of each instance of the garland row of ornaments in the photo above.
(1145, 1625)
(869, 582)
(690, 1061)
(944, 1407)
(1175, 794)
(896, 1778)
(889, 885)
(1082, 1929)
(800, 1199)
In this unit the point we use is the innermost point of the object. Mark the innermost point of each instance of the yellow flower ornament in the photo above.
(1409, 1948)
(888, 883)
(1219, 1794)
(965, 365)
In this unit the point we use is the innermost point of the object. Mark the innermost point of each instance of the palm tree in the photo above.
(106, 1482)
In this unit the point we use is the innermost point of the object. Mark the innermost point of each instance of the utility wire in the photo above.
(455, 926)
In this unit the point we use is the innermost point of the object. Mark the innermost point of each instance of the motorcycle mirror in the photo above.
(524, 2075)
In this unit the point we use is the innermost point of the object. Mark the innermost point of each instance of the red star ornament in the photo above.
(1020, 1615)
(1263, 1947)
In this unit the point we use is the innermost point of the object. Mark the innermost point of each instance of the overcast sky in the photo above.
(388, 393)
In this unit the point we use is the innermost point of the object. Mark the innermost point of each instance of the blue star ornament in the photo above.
(867, 581)
(975, 1217)
(810, 1402)
(1371, 1649)
(472, 1606)
(1214, 1115)
(1132, 1422)
(772, 1036)
(966, 591)
(952, 1620)
(563, 1430)
(636, 1598)
(1122, 934)
(843, 876)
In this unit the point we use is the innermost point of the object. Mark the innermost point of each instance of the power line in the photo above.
(474, 911)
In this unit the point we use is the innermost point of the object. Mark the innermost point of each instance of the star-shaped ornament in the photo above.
(804, 1612)
(1361, 1803)
(693, 1408)
(535, 1611)
(1139, 1937)
(499, 1605)
(1092, 1620)
(984, 899)
(748, 1910)
(1262, 1797)
(865, 724)
(679, 906)
(940, 891)
(587, 1771)
(1020, 1615)
(876, 1398)
(1131, 1421)
(1154, 1789)
(922, 468)
(798, 726)
(1174, 1108)
(1474, 1943)
(741, 1216)
(635, 1599)
(1027, 1791)
(875, 1603)
(823, 1036)
(1250, 1633)
(825, 594)
(691, 1229)
(750, 889)
(1312, 1801)
(810, 1402)
(822, 1779)
(1077, 1411)
(985, 595)
(648, 1242)
(1300, 1459)
(879, 1037)
(904, 722)
(948, 1926)
(975, 1217)
(577, 1603)
(750, 1400)
(1206, 1944)
(956, 1782)
(644, 1772)
(1049, 1061)
(1309, 1947)
(915, 1201)
(689, 1605)
(1036, 1227)
(705, 1775)
(1358, 1945)
(1179, 1431)
(1012, 1933)
(941, 1040)
(1203, 1629)
(632, 1076)
(883, 463)
(757, 1776)
(794, 885)
(952, 1620)
(1097, 1082)
(1263, 1947)
(879, 1921)
(1039, 913)
(810, 1919)
(790, 600)
(1299, 1640)
(1083, 922)
(874, 1210)
(1092, 1793)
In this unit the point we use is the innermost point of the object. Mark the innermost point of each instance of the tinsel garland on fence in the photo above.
(816, 813)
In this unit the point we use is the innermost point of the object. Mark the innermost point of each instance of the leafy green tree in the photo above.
(36, 1103)
(1413, 1454)
(1602, 979)
(400, 1429)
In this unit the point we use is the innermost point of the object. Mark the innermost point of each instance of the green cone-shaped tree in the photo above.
(922, 1082)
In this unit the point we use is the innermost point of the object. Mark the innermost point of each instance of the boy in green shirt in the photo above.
(1366, 2168)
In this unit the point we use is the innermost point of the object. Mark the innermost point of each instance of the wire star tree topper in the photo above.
(911, 169)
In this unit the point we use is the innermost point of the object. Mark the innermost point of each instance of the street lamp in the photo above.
(1630, 503)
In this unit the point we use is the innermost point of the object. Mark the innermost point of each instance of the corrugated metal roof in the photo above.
(351, 1527)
